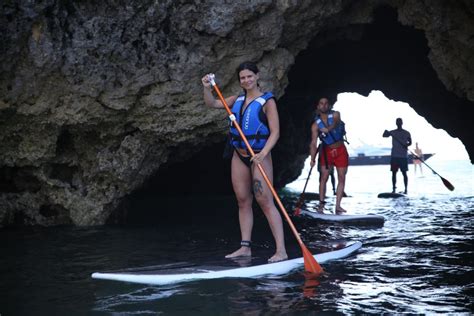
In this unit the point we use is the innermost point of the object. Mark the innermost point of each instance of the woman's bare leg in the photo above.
(264, 198)
(241, 182)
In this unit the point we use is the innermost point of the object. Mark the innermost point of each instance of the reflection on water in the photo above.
(420, 261)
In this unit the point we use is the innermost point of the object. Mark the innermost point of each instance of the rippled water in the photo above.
(420, 261)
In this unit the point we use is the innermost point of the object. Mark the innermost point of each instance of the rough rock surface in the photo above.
(96, 96)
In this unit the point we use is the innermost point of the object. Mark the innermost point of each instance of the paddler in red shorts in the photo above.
(330, 129)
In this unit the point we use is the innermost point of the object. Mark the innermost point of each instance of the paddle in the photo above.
(297, 211)
(446, 183)
(310, 263)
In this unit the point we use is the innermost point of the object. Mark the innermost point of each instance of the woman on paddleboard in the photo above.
(257, 115)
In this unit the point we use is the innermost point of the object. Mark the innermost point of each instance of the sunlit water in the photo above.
(420, 261)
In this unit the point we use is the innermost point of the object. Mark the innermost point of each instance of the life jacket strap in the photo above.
(254, 136)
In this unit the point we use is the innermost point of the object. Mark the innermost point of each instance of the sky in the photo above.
(367, 117)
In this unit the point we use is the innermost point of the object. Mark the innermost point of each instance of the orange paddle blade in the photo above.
(311, 282)
(310, 264)
(297, 211)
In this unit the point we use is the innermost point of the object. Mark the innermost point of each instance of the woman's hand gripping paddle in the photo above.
(297, 211)
(446, 183)
(310, 263)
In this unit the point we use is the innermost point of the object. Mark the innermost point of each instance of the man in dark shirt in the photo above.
(401, 139)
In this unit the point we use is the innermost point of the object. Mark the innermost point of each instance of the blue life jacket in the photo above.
(336, 134)
(252, 121)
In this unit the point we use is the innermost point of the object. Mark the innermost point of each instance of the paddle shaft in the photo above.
(262, 171)
(301, 198)
(307, 179)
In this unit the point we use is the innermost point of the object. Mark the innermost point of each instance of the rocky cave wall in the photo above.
(97, 97)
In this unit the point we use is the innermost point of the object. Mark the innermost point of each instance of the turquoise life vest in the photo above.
(252, 121)
(336, 134)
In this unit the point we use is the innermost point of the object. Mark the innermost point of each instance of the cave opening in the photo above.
(384, 56)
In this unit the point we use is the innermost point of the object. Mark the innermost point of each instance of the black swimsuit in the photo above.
(245, 160)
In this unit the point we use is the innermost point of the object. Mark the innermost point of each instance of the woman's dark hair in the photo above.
(247, 65)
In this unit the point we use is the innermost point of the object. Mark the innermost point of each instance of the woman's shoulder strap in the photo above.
(264, 98)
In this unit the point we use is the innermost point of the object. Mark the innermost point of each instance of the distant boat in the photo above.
(363, 160)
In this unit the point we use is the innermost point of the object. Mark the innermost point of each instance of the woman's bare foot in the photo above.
(241, 252)
(278, 257)
(340, 211)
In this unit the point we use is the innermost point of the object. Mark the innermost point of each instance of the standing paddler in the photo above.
(257, 115)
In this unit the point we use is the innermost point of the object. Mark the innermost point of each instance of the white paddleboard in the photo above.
(269, 269)
(350, 219)
(388, 195)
